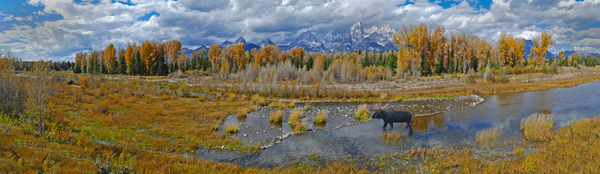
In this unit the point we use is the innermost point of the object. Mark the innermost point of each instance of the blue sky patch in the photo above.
(147, 16)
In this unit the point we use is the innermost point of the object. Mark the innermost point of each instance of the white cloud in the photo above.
(586, 49)
(9, 18)
(588, 42)
(86, 24)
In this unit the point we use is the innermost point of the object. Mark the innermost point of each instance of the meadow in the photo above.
(127, 124)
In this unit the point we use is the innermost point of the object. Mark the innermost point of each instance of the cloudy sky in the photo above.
(57, 29)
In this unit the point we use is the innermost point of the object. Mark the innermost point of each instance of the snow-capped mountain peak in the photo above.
(264, 43)
(240, 40)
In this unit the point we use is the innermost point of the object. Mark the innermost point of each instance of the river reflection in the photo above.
(452, 128)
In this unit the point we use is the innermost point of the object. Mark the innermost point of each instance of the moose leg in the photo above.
(384, 125)
(409, 124)
(392, 125)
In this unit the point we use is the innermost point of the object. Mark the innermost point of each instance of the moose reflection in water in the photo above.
(391, 116)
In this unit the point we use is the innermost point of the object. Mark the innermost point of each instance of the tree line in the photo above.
(422, 50)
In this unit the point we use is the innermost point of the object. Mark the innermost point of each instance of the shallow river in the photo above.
(441, 123)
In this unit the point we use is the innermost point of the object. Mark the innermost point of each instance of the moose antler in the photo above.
(385, 106)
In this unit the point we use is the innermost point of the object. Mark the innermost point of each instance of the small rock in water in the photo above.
(245, 135)
(250, 142)
(264, 131)
(257, 132)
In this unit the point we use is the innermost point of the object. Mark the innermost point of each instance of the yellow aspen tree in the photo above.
(294, 52)
(301, 53)
(109, 54)
(129, 55)
(544, 44)
(146, 54)
(174, 50)
(270, 53)
(213, 54)
(504, 48)
(256, 56)
(561, 56)
(520, 50)
(239, 55)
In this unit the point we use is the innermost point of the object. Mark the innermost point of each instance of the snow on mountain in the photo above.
(264, 43)
(308, 41)
(328, 38)
(240, 40)
(357, 33)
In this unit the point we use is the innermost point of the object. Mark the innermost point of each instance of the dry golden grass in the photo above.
(281, 105)
(362, 114)
(243, 112)
(537, 127)
(300, 127)
(291, 105)
(276, 116)
(190, 123)
(321, 117)
(257, 100)
(231, 129)
(307, 106)
(392, 137)
(487, 135)
(295, 117)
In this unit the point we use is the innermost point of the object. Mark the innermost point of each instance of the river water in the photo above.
(457, 125)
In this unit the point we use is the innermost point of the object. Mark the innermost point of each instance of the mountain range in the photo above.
(372, 39)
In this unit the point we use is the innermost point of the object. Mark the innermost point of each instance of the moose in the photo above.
(391, 116)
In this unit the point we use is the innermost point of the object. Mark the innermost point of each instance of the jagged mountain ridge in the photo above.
(372, 39)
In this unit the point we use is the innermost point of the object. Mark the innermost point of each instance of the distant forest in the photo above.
(423, 51)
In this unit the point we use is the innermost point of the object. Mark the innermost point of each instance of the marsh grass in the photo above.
(321, 117)
(281, 105)
(307, 106)
(537, 127)
(391, 137)
(291, 104)
(231, 129)
(276, 116)
(257, 100)
(300, 127)
(243, 112)
(295, 117)
(362, 114)
(214, 127)
(487, 135)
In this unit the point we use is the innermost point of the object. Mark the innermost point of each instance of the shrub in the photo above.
(545, 68)
(471, 78)
(537, 127)
(518, 69)
(307, 106)
(295, 117)
(553, 68)
(362, 113)
(214, 127)
(487, 135)
(321, 117)
(231, 129)
(276, 116)
(102, 107)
